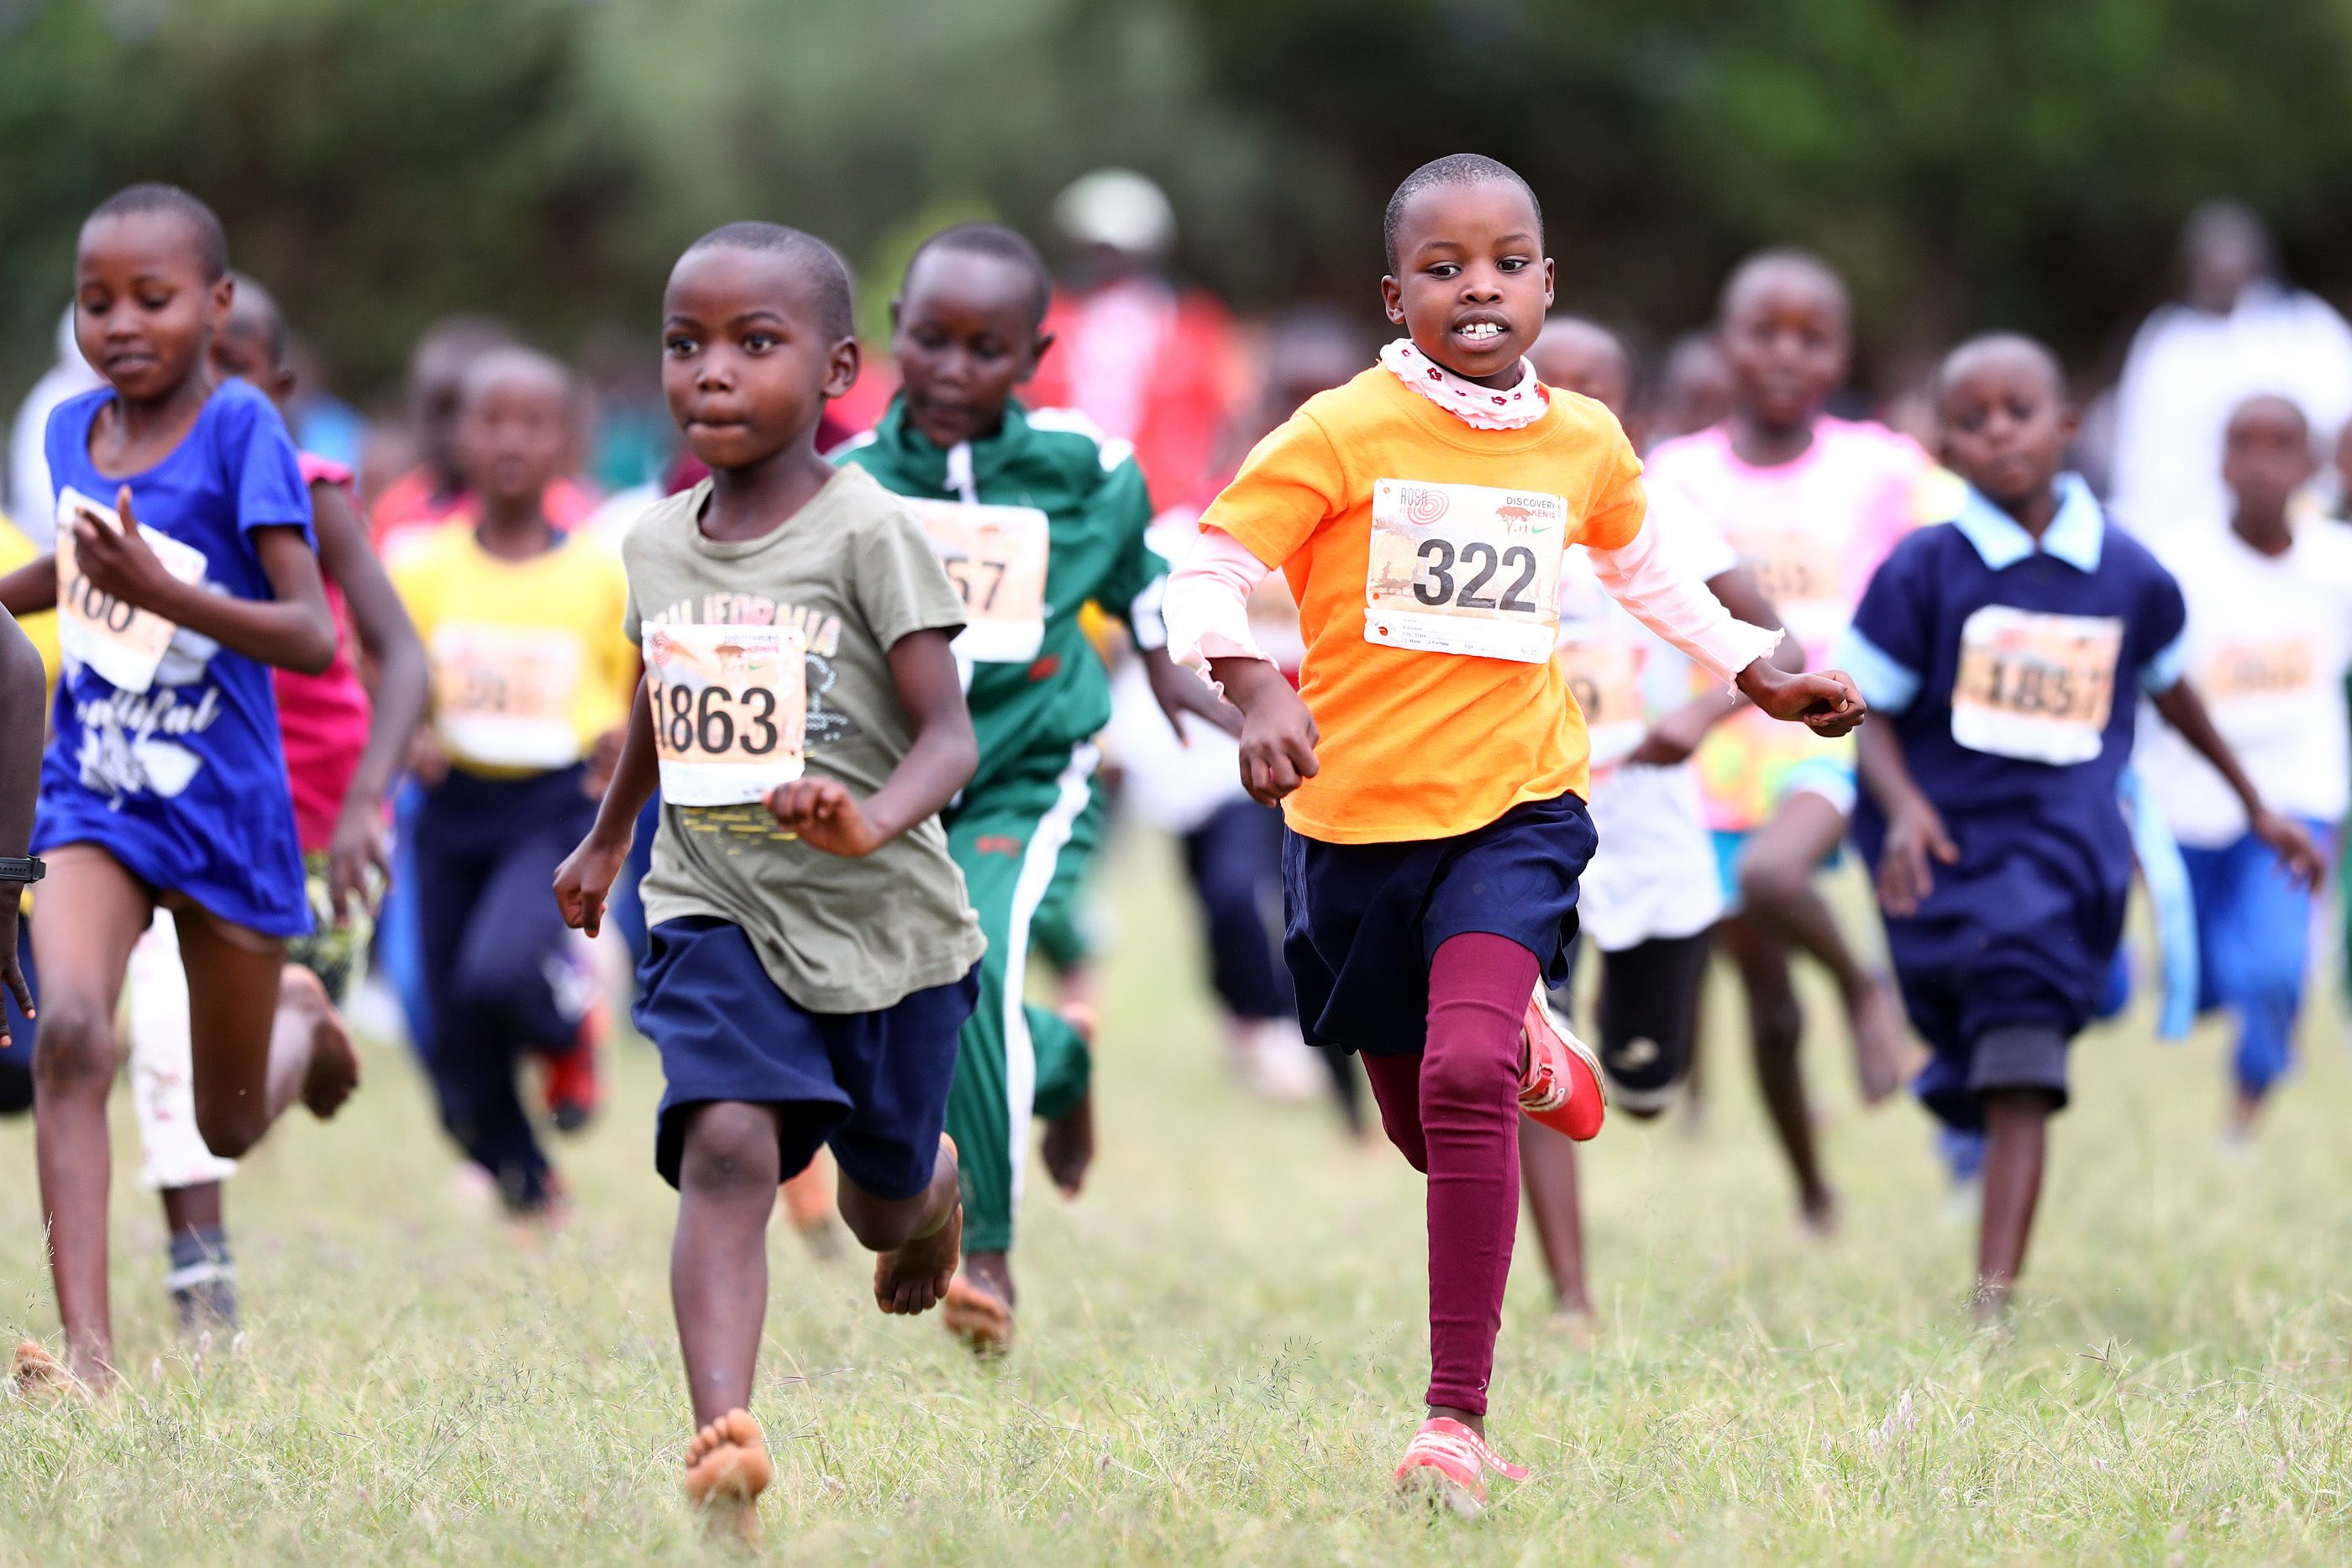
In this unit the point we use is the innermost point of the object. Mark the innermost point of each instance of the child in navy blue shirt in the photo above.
(185, 566)
(2004, 651)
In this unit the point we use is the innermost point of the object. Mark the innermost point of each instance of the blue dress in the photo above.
(184, 783)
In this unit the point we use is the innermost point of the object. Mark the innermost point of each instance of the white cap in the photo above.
(1119, 208)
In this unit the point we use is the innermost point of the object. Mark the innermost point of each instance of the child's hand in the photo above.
(11, 973)
(1279, 741)
(2284, 834)
(1179, 691)
(826, 816)
(1674, 737)
(584, 879)
(1825, 702)
(1915, 838)
(120, 562)
(426, 760)
(359, 844)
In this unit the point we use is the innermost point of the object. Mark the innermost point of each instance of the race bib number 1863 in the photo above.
(1465, 569)
(729, 709)
(2036, 686)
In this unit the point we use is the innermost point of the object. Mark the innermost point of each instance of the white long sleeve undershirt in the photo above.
(1209, 590)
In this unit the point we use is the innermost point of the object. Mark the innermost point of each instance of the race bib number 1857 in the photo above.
(2036, 686)
(730, 710)
(1465, 569)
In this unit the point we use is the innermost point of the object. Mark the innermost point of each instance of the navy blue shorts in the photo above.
(872, 1085)
(1363, 920)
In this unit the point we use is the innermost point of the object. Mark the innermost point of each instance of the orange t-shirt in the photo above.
(1403, 530)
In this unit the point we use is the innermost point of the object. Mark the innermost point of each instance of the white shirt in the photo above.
(2188, 371)
(2268, 644)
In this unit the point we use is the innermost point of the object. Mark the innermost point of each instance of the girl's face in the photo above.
(144, 310)
(1784, 335)
(1472, 282)
(2004, 423)
(964, 334)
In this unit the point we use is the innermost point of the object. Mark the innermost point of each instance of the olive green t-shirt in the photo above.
(853, 569)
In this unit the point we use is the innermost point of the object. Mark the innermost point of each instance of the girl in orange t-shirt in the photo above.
(1432, 764)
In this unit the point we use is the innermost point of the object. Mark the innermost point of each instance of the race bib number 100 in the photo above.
(1465, 569)
(122, 644)
(996, 557)
(2036, 686)
(729, 708)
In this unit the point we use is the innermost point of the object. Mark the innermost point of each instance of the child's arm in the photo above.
(941, 761)
(2185, 711)
(586, 875)
(1179, 692)
(1208, 624)
(292, 630)
(397, 703)
(1674, 737)
(22, 688)
(32, 587)
(1915, 834)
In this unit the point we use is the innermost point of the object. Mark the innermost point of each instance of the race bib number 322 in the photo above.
(730, 709)
(1465, 569)
(2036, 686)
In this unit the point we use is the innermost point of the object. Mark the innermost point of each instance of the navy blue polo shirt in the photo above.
(2012, 670)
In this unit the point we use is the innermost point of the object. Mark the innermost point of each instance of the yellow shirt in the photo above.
(15, 550)
(1463, 551)
(529, 666)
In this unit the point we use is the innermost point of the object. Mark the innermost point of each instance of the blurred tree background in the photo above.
(381, 162)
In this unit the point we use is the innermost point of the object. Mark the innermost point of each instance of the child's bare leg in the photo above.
(2017, 1125)
(93, 912)
(202, 1279)
(728, 1174)
(918, 1239)
(1548, 1165)
(1777, 893)
(247, 1072)
(1776, 1026)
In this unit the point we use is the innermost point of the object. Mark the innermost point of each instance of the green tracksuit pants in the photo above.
(1024, 841)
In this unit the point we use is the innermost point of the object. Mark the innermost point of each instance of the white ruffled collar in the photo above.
(1482, 408)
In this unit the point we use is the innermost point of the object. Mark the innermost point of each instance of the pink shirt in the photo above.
(323, 718)
(1813, 531)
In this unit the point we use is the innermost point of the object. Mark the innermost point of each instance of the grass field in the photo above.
(1225, 1345)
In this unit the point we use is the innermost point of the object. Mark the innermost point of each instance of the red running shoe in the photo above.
(1560, 1084)
(1445, 1464)
(576, 1086)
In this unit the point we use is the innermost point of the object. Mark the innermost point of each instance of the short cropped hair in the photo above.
(202, 224)
(258, 304)
(1005, 245)
(2034, 346)
(827, 275)
(1793, 258)
(1454, 168)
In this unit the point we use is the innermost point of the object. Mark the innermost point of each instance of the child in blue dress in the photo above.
(184, 568)
(2004, 651)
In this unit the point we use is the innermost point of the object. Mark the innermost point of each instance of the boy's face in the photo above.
(965, 334)
(514, 428)
(2005, 423)
(2266, 454)
(1784, 336)
(1576, 357)
(1472, 282)
(240, 352)
(143, 310)
(746, 364)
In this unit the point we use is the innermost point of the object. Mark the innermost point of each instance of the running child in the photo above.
(1035, 513)
(1650, 896)
(2009, 645)
(530, 675)
(2268, 647)
(1811, 504)
(184, 567)
(811, 954)
(1432, 763)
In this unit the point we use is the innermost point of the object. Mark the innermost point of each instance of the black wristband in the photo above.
(22, 869)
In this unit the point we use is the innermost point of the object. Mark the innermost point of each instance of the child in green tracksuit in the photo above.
(1034, 512)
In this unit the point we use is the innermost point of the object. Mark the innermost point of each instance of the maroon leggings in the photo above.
(1454, 1109)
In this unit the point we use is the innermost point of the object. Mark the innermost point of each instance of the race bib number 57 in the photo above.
(1465, 569)
(996, 557)
(2036, 686)
(729, 709)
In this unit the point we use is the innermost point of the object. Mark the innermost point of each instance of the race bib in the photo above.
(120, 644)
(1465, 569)
(2036, 686)
(2242, 670)
(502, 695)
(996, 557)
(730, 710)
(1604, 675)
(1791, 566)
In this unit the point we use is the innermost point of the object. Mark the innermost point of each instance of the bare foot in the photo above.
(1575, 1322)
(978, 1316)
(1819, 1214)
(334, 1069)
(1879, 1042)
(1067, 1148)
(913, 1278)
(41, 1378)
(727, 1468)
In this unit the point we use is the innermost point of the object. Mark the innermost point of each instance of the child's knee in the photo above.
(231, 1125)
(1471, 1071)
(75, 1051)
(730, 1150)
(1770, 883)
(877, 1224)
